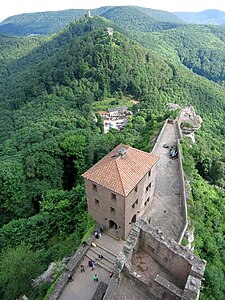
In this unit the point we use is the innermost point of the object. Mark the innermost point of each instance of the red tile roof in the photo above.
(103, 112)
(121, 174)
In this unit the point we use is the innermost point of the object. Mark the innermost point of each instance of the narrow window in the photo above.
(113, 196)
(96, 202)
(145, 203)
(150, 184)
(146, 189)
(148, 199)
(136, 202)
(149, 173)
(136, 189)
(94, 187)
(112, 210)
(133, 205)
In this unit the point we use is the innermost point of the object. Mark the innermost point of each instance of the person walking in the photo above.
(70, 278)
(90, 263)
(95, 278)
(111, 274)
(82, 270)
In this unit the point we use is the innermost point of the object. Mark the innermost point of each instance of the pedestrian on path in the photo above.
(70, 277)
(100, 256)
(84, 244)
(96, 234)
(82, 270)
(91, 264)
(111, 274)
(95, 277)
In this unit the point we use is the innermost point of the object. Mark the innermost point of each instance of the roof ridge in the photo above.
(124, 192)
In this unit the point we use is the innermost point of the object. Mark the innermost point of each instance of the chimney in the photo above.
(122, 152)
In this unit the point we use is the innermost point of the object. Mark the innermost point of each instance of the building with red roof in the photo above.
(120, 188)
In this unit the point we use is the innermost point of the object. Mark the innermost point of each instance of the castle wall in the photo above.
(181, 264)
(183, 202)
(101, 210)
(158, 288)
(176, 264)
(137, 202)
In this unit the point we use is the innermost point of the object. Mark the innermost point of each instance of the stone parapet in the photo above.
(182, 265)
(192, 289)
(159, 136)
(170, 287)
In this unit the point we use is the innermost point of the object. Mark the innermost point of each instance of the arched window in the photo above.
(112, 224)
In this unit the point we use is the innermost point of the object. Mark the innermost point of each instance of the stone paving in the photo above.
(165, 211)
(83, 286)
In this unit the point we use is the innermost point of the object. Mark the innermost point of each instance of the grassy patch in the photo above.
(184, 241)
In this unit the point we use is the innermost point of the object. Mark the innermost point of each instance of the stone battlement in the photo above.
(159, 266)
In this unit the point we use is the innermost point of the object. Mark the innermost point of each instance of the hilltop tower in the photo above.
(120, 188)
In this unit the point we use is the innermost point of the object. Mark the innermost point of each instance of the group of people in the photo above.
(173, 152)
(92, 263)
(98, 233)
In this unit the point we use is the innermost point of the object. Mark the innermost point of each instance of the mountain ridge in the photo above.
(51, 22)
(209, 16)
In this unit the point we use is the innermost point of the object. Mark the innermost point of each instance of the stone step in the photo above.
(106, 246)
(103, 248)
(102, 263)
(99, 249)
(95, 252)
(112, 235)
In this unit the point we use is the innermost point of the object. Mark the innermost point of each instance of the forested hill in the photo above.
(141, 19)
(201, 48)
(49, 136)
(209, 16)
(51, 22)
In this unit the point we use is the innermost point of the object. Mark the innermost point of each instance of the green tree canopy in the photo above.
(17, 269)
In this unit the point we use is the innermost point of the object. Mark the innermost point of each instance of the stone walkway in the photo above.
(165, 211)
(83, 286)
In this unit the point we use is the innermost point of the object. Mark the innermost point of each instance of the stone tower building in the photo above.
(120, 188)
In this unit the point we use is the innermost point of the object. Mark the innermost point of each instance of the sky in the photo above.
(15, 7)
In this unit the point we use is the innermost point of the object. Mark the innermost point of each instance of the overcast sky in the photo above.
(15, 7)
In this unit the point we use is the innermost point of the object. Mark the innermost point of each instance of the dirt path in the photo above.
(165, 211)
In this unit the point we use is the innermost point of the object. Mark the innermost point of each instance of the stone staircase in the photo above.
(107, 262)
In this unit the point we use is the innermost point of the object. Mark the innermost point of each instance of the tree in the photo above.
(17, 269)
(13, 202)
(100, 123)
(59, 208)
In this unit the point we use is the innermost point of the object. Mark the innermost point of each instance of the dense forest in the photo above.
(49, 87)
